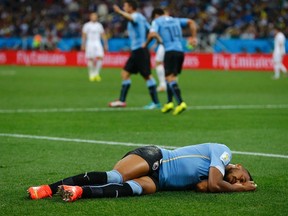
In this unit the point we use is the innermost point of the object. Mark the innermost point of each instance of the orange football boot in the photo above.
(39, 192)
(70, 193)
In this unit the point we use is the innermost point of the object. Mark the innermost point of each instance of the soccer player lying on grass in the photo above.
(146, 170)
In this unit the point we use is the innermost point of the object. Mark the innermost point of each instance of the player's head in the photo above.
(93, 17)
(157, 12)
(237, 174)
(130, 6)
(278, 27)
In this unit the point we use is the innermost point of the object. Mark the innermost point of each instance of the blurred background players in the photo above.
(139, 60)
(159, 63)
(279, 52)
(159, 67)
(167, 30)
(92, 33)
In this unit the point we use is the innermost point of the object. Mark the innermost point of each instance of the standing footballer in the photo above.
(139, 60)
(279, 52)
(167, 30)
(92, 33)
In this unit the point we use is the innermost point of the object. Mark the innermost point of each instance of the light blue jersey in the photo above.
(186, 166)
(137, 30)
(170, 30)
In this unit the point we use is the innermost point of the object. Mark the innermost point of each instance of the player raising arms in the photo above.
(146, 170)
(167, 30)
(92, 33)
(139, 60)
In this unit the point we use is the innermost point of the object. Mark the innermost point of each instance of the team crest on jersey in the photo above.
(155, 165)
(225, 158)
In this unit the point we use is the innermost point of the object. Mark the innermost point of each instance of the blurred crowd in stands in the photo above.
(55, 19)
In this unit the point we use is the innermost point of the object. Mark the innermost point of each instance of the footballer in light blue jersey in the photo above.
(170, 30)
(139, 59)
(184, 167)
(149, 169)
(137, 30)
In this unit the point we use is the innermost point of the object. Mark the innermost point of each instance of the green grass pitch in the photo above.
(227, 107)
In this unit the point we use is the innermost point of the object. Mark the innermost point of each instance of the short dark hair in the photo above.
(132, 3)
(157, 11)
(228, 172)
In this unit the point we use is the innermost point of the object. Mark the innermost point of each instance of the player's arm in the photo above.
(216, 183)
(83, 40)
(151, 36)
(105, 40)
(202, 186)
(118, 10)
(193, 30)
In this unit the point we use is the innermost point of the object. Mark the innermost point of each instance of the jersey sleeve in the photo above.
(220, 158)
(84, 29)
(135, 17)
(101, 28)
(183, 22)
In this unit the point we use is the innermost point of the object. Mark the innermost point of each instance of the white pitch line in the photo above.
(69, 110)
(101, 142)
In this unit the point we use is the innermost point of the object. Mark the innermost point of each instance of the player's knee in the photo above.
(147, 184)
(125, 75)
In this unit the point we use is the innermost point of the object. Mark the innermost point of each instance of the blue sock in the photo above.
(114, 176)
(151, 84)
(136, 187)
(124, 90)
(176, 91)
(169, 93)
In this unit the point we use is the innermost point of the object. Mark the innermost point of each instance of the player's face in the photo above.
(238, 175)
(93, 17)
(127, 8)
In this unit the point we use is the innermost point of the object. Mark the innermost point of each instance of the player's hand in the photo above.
(83, 48)
(117, 9)
(193, 41)
(106, 48)
(248, 186)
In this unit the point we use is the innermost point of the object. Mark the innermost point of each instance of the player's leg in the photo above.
(277, 60)
(90, 56)
(126, 82)
(173, 66)
(88, 178)
(178, 59)
(160, 71)
(283, 68)
(144, 67)
(139, 186)
(99, 61)
(90, 66)
(277, 68)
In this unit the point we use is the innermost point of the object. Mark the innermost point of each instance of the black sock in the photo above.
(107, 191)
(153, 93)
(176, 92)
(169, 94)
(124, 91)
(89, 178)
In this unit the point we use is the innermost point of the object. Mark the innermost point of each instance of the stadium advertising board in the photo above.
(259, 62)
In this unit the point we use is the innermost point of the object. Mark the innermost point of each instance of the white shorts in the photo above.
(93, 51)
(160, 53)
(277, 57)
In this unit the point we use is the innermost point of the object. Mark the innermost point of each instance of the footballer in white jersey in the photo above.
(278, 53)
(92, 33)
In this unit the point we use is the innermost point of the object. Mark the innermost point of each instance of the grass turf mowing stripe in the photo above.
(123, 144)
(219, 107)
